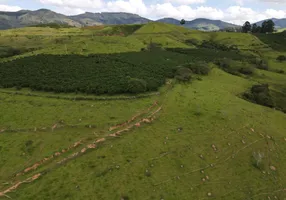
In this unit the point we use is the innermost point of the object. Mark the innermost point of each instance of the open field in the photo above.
(197, 139)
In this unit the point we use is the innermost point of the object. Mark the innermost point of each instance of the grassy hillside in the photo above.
(195, 136)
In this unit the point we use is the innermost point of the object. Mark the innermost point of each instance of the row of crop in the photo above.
(94, 74)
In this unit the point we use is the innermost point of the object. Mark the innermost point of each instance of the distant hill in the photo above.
(201, 24)
(43, 16)
(108, 18)
(26, 18)
(279, 23)
(169, 21)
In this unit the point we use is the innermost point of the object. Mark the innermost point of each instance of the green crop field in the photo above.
(151, 111)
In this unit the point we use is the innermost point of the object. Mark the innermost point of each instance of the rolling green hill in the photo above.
(182, 114)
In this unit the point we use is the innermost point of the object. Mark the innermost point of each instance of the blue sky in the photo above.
(234, 11)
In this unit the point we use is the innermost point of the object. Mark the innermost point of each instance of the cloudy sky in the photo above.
(234, 11)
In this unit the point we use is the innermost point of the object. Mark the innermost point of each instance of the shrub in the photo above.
(192, 42)
(246, 70)
(213, 45)
(183, 74)
(137, 85)
(280, 71)
(9, 51)
(281, 58)
(201, 68)
(260, 94)
(260, 63)
(225, 64)
(234, 67)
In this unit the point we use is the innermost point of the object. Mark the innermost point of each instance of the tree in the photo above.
(182, 22)
(246, 27)
(254, 28)
(268, 26)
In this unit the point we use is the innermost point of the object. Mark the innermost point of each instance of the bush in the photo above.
(192, 42)
(213, 45)
(9, 51)
(281, 58)
(246, 70)
(280, 71)
(137, 85)
(260, 63)
(225, 65)
(234, 67)
(260, 94)
(183, 74)
(201, 68)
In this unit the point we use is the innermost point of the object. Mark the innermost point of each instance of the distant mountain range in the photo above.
(43, 16)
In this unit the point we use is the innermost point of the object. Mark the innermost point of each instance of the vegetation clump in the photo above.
(260, 94)
(183, 74)
(234, 67)
(6, 51)
(201, 68)
(53, 25)
(260, 63)
(213, 45)
(281, 58)
(268, 26)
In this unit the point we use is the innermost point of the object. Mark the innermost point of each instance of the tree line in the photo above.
(268, 26)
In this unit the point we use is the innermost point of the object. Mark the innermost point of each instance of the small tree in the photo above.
(268, 26)
(246, 27)
(182, 22)
(254, 28)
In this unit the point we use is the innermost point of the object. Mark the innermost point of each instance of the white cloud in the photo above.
(88, 4)
(186, 2)
(9, 8)
(275, 13)
(131, 6)
(233, 14)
